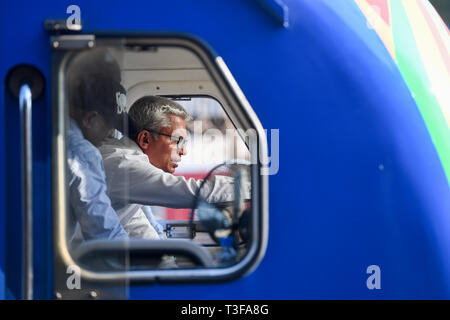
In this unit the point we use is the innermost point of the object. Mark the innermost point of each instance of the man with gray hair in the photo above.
(139, 167)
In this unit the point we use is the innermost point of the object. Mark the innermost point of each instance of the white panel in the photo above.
(132, 78)
(162, 58)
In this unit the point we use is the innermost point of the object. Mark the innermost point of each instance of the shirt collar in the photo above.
(74, 129)
(123, 143)
(130, 143)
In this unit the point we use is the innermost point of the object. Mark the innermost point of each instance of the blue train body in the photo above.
(359, 183)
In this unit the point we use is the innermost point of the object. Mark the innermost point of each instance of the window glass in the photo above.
(158, 166)
(212, 140)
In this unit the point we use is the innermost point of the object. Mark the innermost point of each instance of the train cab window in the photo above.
(158, 161)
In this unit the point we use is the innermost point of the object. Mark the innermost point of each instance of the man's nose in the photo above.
(182, 151)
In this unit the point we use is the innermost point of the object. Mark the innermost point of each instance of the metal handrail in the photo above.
(25, 101)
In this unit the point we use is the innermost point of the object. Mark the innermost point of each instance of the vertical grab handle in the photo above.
(25, 102)
(26, 83)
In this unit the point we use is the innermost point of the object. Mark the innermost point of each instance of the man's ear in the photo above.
(144, 139)
(87, 119)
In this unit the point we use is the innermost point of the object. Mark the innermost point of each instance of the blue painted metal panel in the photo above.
(344, 113)
(13, 205)
(2, 167)
(2, 285)
(277, 9)
(42, 216)
(26, 43)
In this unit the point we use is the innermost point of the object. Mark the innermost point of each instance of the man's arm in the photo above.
(89, 201)
(134, 180)
(155, 224)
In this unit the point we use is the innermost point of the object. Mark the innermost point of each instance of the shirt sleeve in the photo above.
(88, 198)
(133, 179)
(155, 224)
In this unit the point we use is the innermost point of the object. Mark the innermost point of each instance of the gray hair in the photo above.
(152, 112)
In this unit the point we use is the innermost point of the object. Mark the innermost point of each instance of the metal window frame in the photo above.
(240, 109)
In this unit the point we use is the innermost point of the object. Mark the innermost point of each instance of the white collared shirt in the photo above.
(134, 182)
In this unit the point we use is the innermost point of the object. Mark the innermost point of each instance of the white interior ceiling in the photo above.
(164, 71)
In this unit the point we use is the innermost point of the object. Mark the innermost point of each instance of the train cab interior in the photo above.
(220, 141)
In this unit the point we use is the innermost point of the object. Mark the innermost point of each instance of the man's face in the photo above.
(163, 152)
(94, 127)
